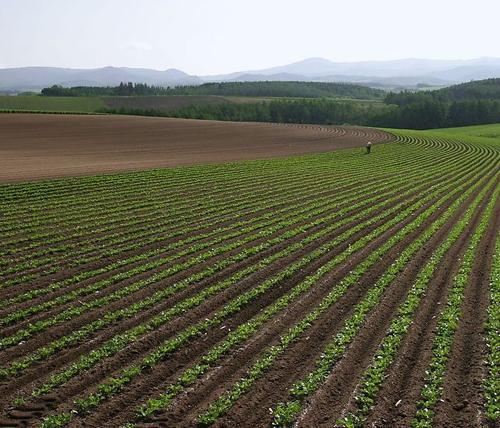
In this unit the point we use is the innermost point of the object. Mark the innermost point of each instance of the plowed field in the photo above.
(336, 288)
(48, 146)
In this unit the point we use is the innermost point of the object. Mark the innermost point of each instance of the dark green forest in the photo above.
(318, 111)
(472, 103)
(242, 89)
(124, 89)
(283, 89)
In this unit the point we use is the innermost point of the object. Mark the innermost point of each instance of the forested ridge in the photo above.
(252, 89)
(472, 103)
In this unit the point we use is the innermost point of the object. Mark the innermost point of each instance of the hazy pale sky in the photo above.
(203, 37)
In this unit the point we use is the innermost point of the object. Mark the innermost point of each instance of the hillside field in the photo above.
(175, 273)
(95, 104)
(51, 104)
(49, 146)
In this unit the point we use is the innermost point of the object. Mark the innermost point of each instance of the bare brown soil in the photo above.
(164, 103)
(36, 147)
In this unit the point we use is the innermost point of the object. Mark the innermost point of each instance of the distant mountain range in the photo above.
(37, 78)
(397, 74)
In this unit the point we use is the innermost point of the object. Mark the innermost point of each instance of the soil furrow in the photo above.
(396, 404)
(462, 402)
(297, 360)
(191, 317)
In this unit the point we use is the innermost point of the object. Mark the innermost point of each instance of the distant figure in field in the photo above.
(368, 147)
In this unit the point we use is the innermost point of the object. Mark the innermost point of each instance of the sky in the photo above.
(209, 37)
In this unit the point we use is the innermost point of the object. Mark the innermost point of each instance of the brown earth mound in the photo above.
(50, 146)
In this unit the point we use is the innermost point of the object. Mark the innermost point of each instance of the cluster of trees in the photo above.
(248, 89)
(318, 111)
(283, 89)
(434, 114)
(487, 89)
(124, 89)
(473, 103)
(426, 115)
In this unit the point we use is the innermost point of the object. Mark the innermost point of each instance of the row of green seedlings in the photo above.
(87, 274)
(436, 141)
(115, 384)
(91, 217)
(167, 178)
(110, 318)
(112, 204)
(431, 391)
(14, 369)
(285, 411)
(100, 216)
(101, 271)
(78, 234)
(362, 244)
(153, 190)
(103, 201)
(216, 210)
(163, 230)
(53, 287)
(158, 236)
(43, 194)
(76, 186)
(298, 215)
(121, 294)
(447, 325)
(225, 402)
(460, 149)
(156, 404)
(302, 177)
(373, 377)
(442, 147)
(52, 249)
(214, 249)
(68, 185)
(64, 211)
(491, 384)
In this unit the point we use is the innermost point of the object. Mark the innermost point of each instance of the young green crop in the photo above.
(373, 377)
(207, 231)
(491, 384)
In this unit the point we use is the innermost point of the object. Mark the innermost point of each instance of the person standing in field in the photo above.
(368, 147)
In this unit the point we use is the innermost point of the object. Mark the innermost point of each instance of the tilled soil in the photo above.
(36, 147)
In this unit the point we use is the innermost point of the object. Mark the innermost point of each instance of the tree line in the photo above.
(123, 89)
(426, 115)
(313, 111)
(283, 89)
(250, 89)
(472, 103)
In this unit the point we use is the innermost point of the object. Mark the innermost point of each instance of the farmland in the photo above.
(94, 104)
(53, 104)
(54, 146)
(295, 284)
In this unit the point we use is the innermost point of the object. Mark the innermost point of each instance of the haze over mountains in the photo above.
(405, 73)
